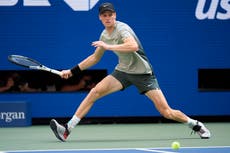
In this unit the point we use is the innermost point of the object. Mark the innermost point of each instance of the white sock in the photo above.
(73, 122)
(191, 122)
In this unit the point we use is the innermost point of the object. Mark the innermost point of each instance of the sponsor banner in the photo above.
(14, 114)
(75, 5)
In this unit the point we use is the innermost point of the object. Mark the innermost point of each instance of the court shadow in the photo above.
(128, 140)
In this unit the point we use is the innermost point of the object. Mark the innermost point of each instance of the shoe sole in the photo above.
(53, 127)
(205, 137)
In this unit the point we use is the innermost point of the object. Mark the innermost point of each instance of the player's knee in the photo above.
(96, 93)
(167, 113)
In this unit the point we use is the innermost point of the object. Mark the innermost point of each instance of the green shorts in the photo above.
(143, 82)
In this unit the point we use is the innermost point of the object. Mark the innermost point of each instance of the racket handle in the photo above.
(56, 72)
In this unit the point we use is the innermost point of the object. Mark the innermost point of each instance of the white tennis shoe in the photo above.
(60, 131)
(201, 130)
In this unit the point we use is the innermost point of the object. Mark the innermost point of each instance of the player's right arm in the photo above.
(85, 64)
(92, 59)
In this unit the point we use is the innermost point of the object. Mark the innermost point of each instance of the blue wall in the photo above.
(177, 41)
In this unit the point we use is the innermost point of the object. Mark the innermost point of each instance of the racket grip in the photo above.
(56, 72)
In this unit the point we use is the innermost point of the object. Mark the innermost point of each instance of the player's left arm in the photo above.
(129, 45)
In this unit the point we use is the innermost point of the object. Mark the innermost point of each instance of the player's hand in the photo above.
(66, 74)
(100, 44)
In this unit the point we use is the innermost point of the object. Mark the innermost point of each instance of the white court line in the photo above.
(151, 150)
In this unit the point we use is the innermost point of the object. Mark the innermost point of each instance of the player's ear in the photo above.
(115, 15)
(99, 16)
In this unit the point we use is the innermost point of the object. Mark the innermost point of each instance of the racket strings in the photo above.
(25, 61)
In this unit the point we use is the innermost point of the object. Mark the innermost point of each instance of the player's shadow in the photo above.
(128, 140)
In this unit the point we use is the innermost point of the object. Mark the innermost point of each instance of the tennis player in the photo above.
(133, 68)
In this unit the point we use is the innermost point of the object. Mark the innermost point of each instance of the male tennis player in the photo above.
(133, 68)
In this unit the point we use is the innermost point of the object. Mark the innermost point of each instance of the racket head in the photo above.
(23, 61)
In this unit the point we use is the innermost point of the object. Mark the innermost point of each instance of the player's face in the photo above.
(108, 18)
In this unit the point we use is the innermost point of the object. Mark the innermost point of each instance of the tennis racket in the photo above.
(30, 63)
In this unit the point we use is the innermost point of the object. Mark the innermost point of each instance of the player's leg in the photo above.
(162, 106)
(106, 86)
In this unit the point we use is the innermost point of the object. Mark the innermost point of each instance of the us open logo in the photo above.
(213, 9)
(76, 5)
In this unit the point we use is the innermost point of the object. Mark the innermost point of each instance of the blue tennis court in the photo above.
(218, 149)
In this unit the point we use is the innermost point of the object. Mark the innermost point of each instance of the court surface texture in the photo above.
(116, 138)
